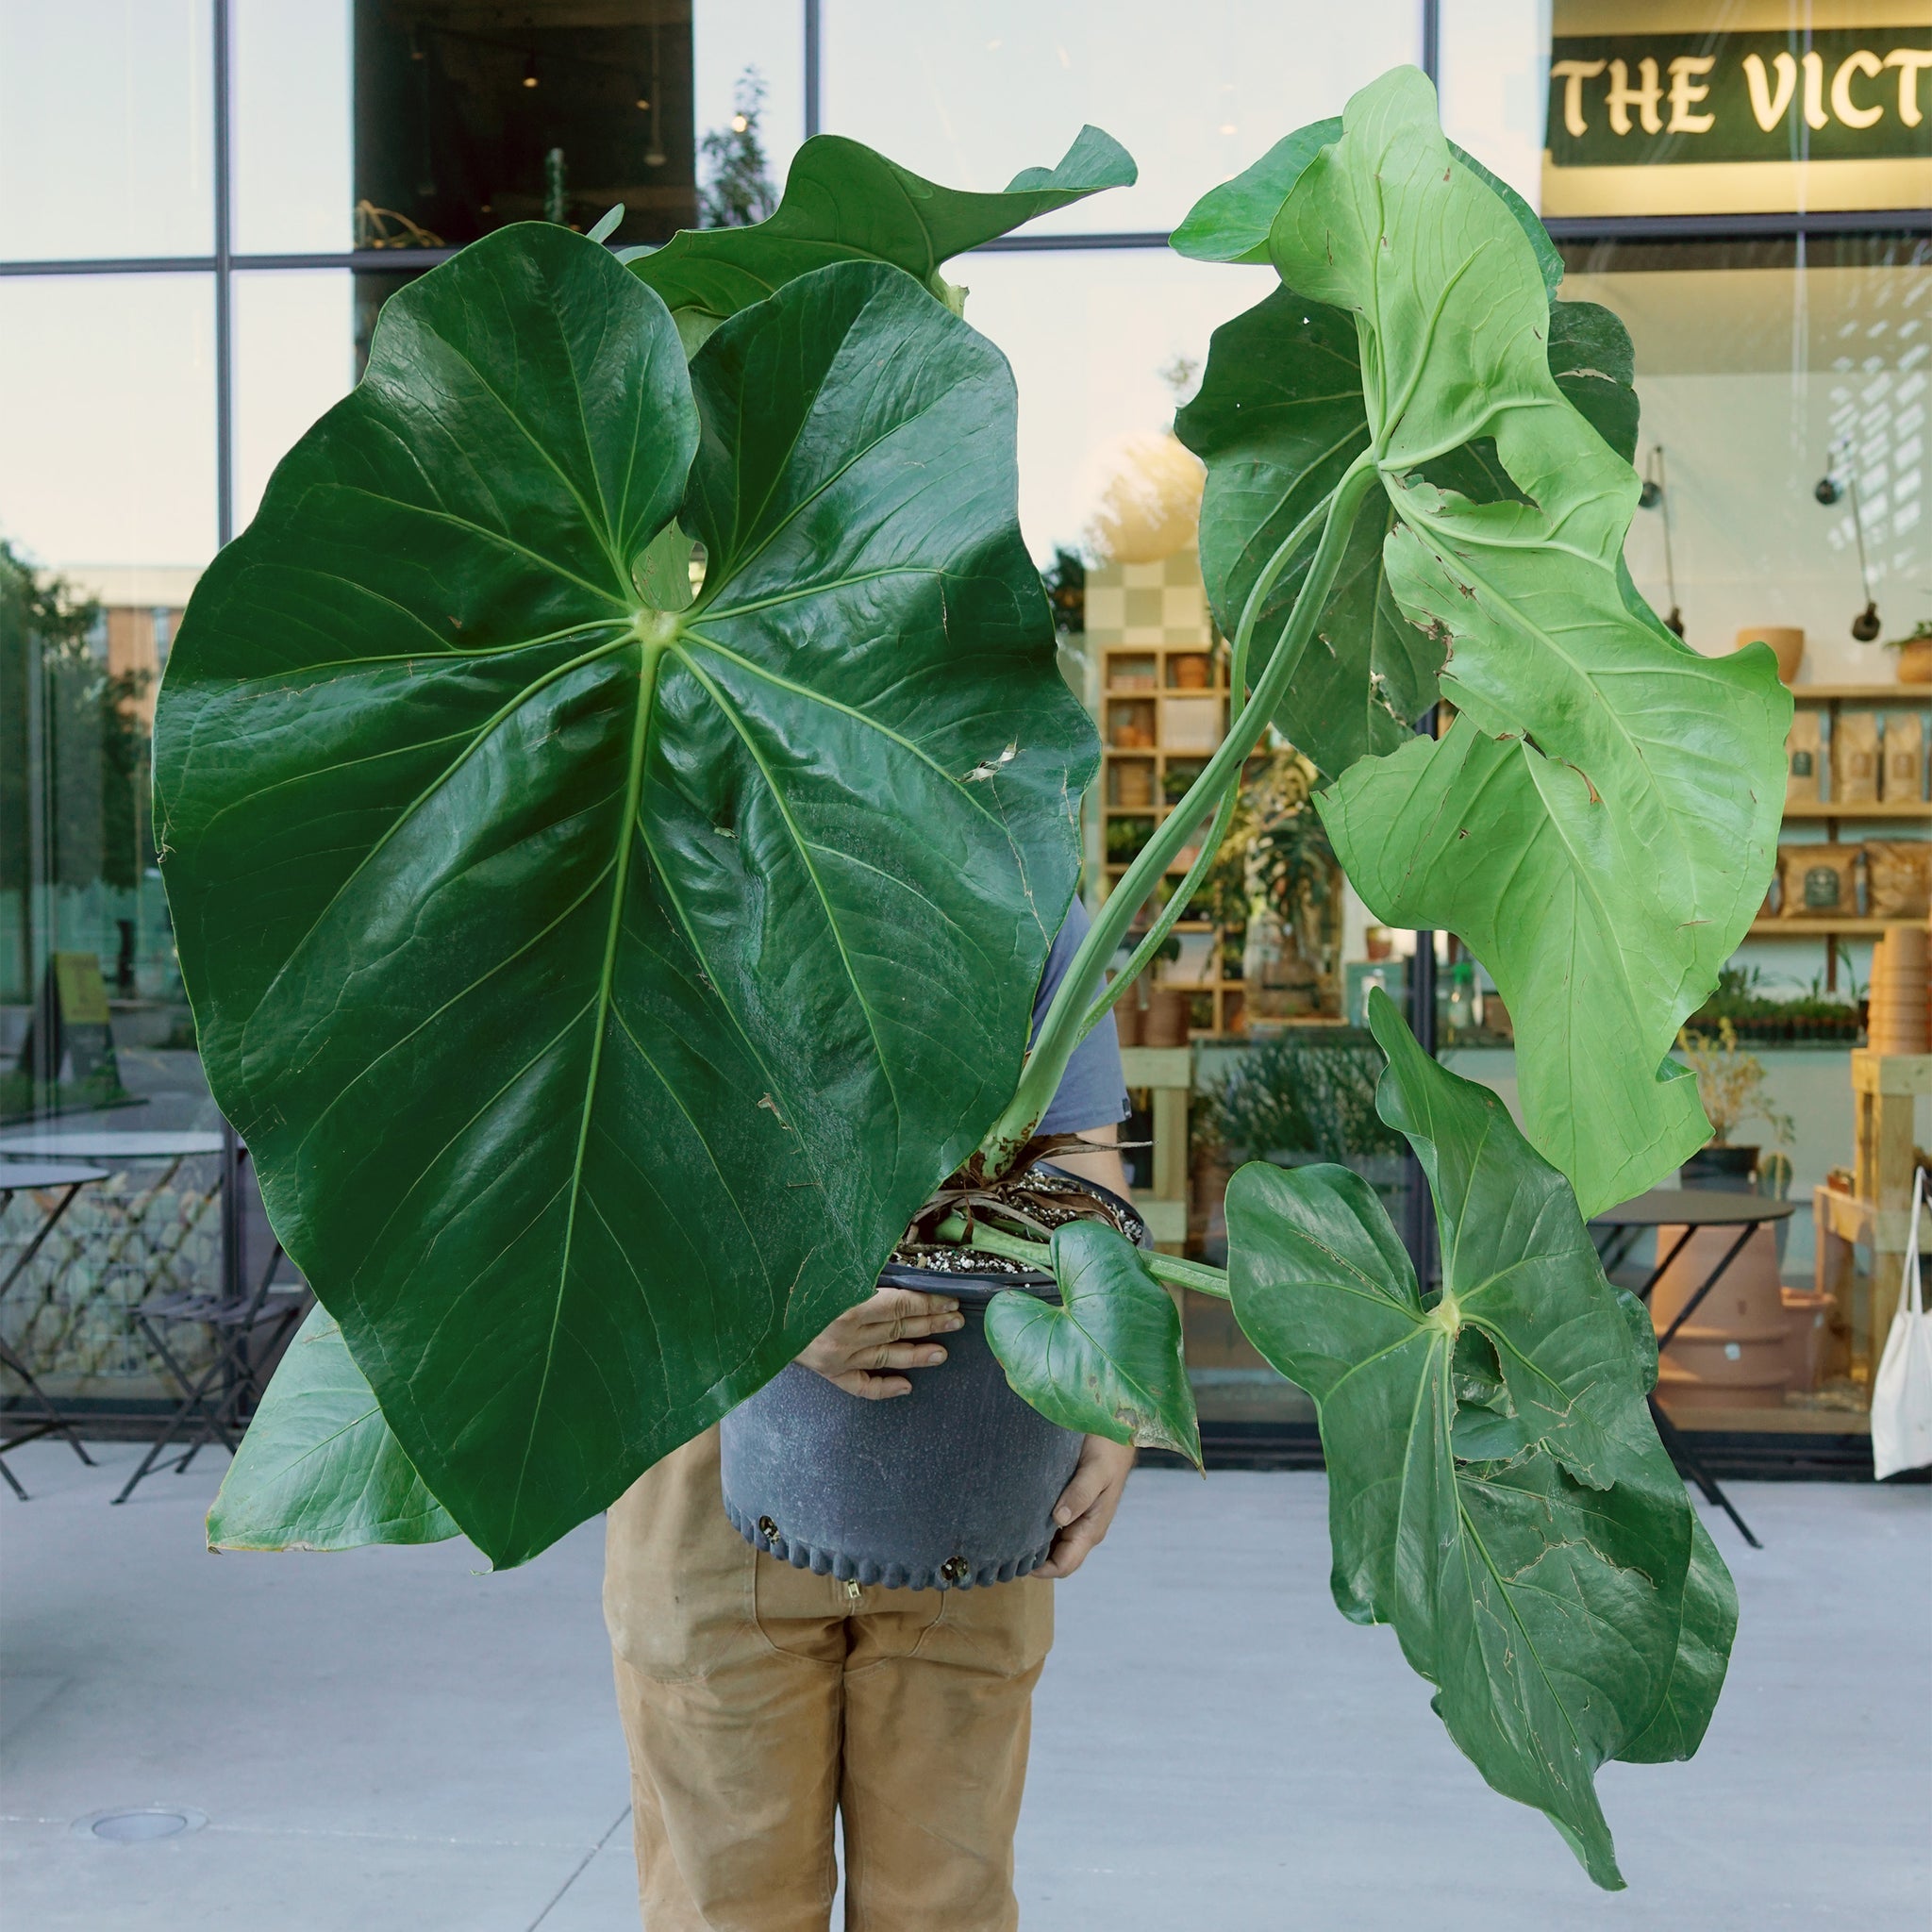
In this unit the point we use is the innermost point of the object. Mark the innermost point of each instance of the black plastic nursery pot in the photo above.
(1723, 1168)
(950, 1487)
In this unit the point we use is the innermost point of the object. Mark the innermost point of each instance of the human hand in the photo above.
(1086, 1507)
(885, 1333)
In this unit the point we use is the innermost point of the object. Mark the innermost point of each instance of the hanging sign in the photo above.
(1716, 121)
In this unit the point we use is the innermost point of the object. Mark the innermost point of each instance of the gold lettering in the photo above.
(1573, 73)
(1643, 97)
(1770, 108)
(1684, 95)
(1911, 62)
(1842, 105)
(1815, 116)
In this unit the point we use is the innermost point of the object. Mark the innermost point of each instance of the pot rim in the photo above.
(975, 1288)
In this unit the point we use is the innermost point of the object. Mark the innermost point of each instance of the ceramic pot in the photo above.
(1787, 641)
(1915, 661)
(951, 1486)
(1732, 1352)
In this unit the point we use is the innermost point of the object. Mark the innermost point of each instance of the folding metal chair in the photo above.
(38, 1176)
(211, 1402)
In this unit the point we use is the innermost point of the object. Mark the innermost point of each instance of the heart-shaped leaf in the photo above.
(1497, 1491)
(1601, 824)
(1107, 1361)
(319, 1468)
(845, 203)
(1279, 416)
(601, 985)
(1232, 222)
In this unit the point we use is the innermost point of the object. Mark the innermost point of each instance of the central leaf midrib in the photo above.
(651, 656)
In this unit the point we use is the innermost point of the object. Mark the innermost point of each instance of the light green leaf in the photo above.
(1601, 824)
(1232, 222)
(601, 985)
(1107, 1360)
(1497, 1491)
(845, 203)
(319, 1469)
(1279, 416)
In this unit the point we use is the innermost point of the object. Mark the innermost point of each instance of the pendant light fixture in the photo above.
(530, 70)
(1656, 495)
(1830, 489)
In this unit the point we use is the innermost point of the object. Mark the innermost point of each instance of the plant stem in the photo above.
(1073, 1009)
(1168, 1268)
(1182, 896)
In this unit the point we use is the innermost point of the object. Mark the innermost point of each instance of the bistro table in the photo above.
(38, 1178)
(102, 1144)
(1690, 1208)
(105, 1148)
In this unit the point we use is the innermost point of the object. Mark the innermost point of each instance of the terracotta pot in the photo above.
(1129, 1016)
(1897, 1020)
(1808, 1341)
(1165, 1023)
(1190, 673)
(1732, 1352)
(1915, 661)
(1787, 641)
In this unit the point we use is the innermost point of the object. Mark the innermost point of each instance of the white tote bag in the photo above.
(1902, 1395)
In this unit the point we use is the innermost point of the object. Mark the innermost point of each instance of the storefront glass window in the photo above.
(969, 93)
(106, 505)
(294, 356)
(106, 129)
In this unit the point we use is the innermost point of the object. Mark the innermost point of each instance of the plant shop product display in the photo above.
(617, 800)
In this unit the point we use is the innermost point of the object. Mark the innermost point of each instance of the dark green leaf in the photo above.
(1107, 1360)
(1497, 1491)
(1600, 825)
(601, 985)
(845, 203)
(1703, 1653)
(319, 1469)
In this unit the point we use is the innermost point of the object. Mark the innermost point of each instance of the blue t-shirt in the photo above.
(1093, 1091)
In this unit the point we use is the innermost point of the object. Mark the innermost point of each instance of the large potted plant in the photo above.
(617, 799)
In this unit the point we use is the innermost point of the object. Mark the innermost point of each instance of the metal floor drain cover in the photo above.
(135, 1824)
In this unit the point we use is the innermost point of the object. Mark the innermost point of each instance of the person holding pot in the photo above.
(761, 1702)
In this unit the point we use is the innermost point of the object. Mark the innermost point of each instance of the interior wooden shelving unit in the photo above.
(1162, 706)
(1834, 814)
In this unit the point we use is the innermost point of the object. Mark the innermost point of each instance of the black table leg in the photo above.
(56, 1424)
(1668, 1432)
(1687, 1465)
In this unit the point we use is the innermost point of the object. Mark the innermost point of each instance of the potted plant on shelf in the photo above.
(1731, 1089)
(618, 796)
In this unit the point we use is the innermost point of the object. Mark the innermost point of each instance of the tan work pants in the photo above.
(757, 1700)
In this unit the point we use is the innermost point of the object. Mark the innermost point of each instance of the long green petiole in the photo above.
(1183, 895)
(1168, 1268)
(1074, 1007)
